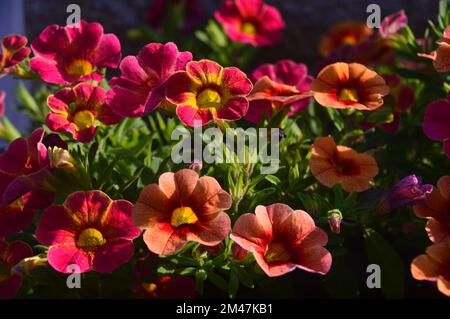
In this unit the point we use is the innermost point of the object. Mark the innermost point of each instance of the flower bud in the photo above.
(60, 158)
(196, 165)
(238, 252)
(28, 265)
(334, 220)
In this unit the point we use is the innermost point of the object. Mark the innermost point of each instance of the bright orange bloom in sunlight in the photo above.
(333, 164)
(347, 33)
(342, 85)
(434, 266)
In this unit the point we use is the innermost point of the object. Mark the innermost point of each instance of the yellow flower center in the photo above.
(90, 239)
(248, 28)
(182, 216)
(84, 119)
(276, 252)
(5, 270)
(209, 98)
(349, 40)
(79, 68)
(346, 94)
(150, 288)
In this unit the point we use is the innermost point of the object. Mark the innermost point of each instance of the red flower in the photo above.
(13, 52)
(90, 231)
(10, 255)
(141, 87)
(74, 53)
(282, 240)
(14, 218)
(182, 208)
(436, 123)
(75, 110)
(251, 21)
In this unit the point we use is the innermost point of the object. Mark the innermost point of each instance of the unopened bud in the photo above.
(334, 220)
(196, 165)
(238, 252)
(60, 158)
(27, 265)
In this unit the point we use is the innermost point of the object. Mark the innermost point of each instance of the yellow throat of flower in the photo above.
(183, 216)
(90, 239)
(79, 68)
(209, 98)
(276, 252)
(348, 94)
(84, 119)
(248, 28)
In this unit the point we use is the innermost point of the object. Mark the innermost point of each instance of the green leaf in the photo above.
(233, 284)
(200, 277)
(336, 118)
(273, 179)
(218, 281)
(380, 252)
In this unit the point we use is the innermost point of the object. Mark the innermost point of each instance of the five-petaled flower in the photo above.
(206, 91)
(90, 231)
(279, 86)
(75, 110)
(333, 164)
(282, 239)
(13, 52)
(437, 210)
(436, 123)
(10, 255)
(74, 53)
(342, 85)
(141, 87)
(183, 207)
(23, 170)
(251, 21)
(441, 57)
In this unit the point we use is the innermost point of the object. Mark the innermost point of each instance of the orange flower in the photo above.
(347, 33)
(341, 85)
(437, 210)
(333, 164)
(434, 266)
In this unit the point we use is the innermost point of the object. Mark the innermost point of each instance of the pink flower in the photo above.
(140, 88)
(75, 110)
(206, 91)
(183, 207)
(13, 52)
(393, 23)
(436, 123)
(15, 217)
(90, 231)
(74, 53)
(23, 170)
(2, 103)
(282, 240)
(251, 21)
(10, 255)
(287, 81)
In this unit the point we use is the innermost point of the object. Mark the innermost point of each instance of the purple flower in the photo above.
(407, 191)
(393, 23)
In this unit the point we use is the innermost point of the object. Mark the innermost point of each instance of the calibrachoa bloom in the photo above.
(13, 52)
(333, 164)
(75, 110)
(282, 240)
(23, 169)
(206, 91)
(89, 230)
(141, 87)
(277, 86)
(393, 23)
(441, 57)
(408, 191)
(10, 255)
(348, 33)
(14, 218)
(251, 21)
(74, 53)
(168, 287)
(437, 210)
(2, 102)
(436, 123)
(342, 85)
(434, 266)
(182, 208)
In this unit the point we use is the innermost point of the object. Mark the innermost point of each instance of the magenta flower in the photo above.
(23, 170)
(75, 110)
(13, 52)
(288, 81)
(436, 124)
(74, 53)
(90, 231)
(2, 103)
(10, 255)
(140, 88)
(408, 191)
(15, 217)
(251, 21)
(393, 23)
